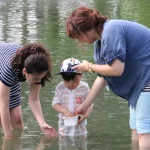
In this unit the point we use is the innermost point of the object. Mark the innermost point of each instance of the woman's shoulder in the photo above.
(116, 29)
(10, 45)
(9, 48)
(115, 24)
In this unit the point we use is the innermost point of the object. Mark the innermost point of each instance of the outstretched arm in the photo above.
(37, 110)
(115, 69)
(56, 104)
(4, 109)
(97, 87)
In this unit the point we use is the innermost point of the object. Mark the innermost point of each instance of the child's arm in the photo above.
(57, 101)
(86, 115)
(89, 110)
(64, 111)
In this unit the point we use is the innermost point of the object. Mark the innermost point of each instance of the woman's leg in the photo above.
(0, 124)
(143, 120)
(132, 122)
(16, 120)
(144, 141)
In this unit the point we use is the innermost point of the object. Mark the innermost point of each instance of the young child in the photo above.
(69, 94)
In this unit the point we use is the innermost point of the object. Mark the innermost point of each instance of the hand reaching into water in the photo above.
(48, 130)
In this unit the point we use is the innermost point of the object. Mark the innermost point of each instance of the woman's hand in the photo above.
(80, 110)
(81, 118)
(48, 130)
(83, 67)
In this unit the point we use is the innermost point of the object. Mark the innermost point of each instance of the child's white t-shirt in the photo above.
(71, 99)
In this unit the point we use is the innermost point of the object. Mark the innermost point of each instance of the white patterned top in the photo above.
(71, 99)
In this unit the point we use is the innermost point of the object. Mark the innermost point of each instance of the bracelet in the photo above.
(89, 68)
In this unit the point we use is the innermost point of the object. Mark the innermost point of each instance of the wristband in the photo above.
(89, 68)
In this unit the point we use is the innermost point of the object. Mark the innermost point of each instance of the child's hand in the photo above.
(81, 118)
(67, 113)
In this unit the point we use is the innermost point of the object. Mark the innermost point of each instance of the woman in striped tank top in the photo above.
(31, 63)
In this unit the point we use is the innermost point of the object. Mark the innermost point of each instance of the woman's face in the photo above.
(89, 37)
(34, 77)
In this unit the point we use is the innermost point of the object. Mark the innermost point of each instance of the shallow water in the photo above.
(25, 21)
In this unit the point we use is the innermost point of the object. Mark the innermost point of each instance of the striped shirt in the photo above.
(71, 99)
(9, 76)
(147, 88)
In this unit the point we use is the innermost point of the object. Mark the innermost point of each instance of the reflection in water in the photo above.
(72, 143)
(31, 22)
(11, 144)
(65, 7)
(10, 20)
(17, 143)
(45, 142)
(18, 21)
(13, 23)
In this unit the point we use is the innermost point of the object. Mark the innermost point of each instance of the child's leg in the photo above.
(143, 119)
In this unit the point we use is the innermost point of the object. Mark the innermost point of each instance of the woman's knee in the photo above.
(16, 118)
(144, 141)
(144, 135)
(17, 126)
(17, 122)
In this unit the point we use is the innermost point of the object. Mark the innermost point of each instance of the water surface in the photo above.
(24, 21)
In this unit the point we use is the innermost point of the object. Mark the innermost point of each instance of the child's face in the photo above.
(73, 83)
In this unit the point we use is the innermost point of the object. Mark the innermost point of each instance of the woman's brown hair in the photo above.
(84, 19)
(35, 58)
